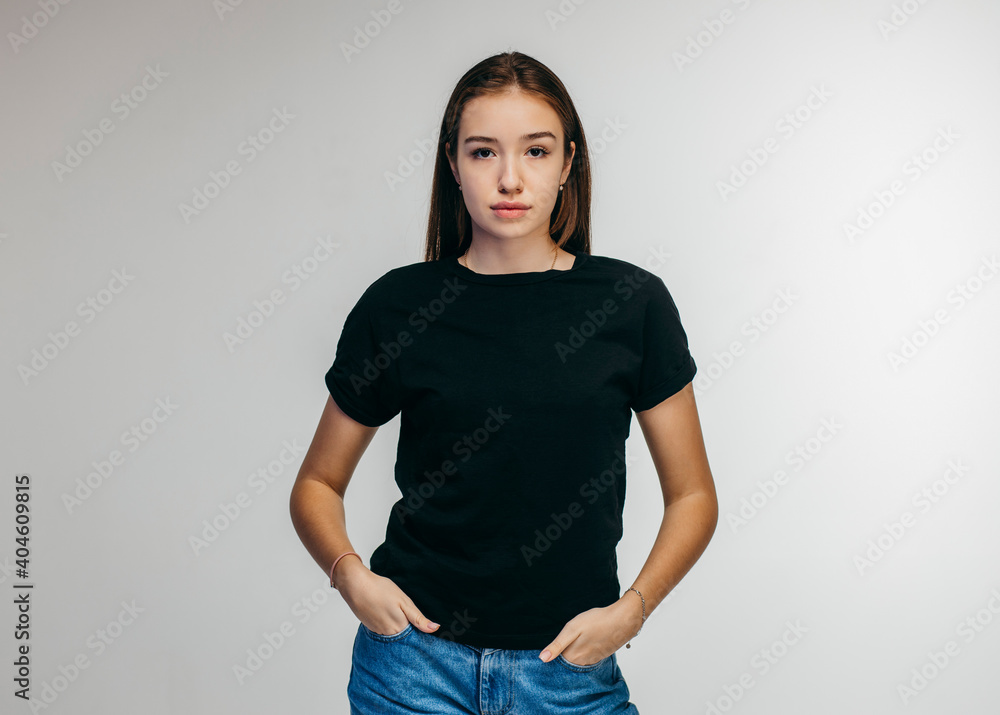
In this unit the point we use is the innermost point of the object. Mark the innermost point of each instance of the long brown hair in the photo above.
(449, 224)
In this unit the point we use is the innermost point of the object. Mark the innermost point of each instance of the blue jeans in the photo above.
(416, 672)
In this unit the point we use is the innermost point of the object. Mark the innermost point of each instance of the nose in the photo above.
(510, 176)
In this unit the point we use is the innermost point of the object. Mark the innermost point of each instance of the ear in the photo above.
(568, 163)
(451, 162)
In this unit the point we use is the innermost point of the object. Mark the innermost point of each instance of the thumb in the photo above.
(550, 651)
(422, 622)
(553, 649)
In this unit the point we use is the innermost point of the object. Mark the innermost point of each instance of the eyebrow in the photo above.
(524, 137)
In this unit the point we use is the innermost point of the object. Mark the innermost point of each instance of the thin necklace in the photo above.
(466, 256)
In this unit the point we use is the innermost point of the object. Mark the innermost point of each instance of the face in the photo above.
(510, 149)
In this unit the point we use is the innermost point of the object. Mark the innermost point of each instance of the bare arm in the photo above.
(317, 509)
(691, 509)
(317, 499)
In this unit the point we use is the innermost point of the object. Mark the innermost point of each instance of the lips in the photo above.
(510, 213)
(509, 205)
(509, 209)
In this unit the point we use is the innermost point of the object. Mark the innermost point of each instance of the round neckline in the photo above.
(579, 258)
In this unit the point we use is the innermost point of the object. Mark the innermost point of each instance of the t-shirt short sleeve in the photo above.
(667, 364)
(363, 378)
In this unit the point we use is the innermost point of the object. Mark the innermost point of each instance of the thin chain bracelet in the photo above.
(632, 588)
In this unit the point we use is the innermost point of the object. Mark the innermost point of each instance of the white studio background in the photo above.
(822, 178)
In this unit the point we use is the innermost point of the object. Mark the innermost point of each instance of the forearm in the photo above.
(320, 521)
(687, 526)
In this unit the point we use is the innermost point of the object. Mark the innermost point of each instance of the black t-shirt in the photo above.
(515, 394)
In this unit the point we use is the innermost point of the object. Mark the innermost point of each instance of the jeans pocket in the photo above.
(391, 637)
(575, 667)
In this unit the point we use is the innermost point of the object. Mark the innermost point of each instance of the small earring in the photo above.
(460, 186)
(560, 187)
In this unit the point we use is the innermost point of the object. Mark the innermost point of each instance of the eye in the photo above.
(476, 155)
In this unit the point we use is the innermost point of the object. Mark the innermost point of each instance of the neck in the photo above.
(508, 256)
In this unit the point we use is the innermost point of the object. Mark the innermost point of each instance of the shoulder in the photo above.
(401, 282)
(628, 279)
(619, 268)
(608, 264)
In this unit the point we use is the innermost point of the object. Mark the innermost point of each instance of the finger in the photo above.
(422, 622)
(561, 642)
(414, 616)
(551, 650)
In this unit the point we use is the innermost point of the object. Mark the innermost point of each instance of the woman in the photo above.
(515, 359)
